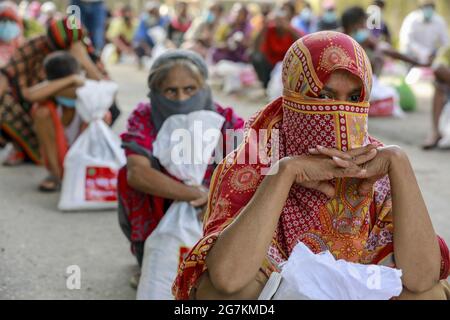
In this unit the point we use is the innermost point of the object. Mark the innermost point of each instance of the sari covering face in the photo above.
(352, 227)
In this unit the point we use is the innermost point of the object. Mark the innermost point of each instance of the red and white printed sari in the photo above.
(352, 227)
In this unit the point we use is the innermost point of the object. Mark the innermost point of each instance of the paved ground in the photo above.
(38, 243)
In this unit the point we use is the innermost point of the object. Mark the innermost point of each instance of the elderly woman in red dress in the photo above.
(334, 188)
(177, 84)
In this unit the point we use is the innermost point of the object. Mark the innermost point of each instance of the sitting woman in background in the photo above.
(56, 121)
(11, 31)
(233, 38)
(177, 84)
(25, 69)
(332, 187)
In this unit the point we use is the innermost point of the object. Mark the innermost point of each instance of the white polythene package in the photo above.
(444, 127)
(194, 136)
(93, 161)
(309, 276)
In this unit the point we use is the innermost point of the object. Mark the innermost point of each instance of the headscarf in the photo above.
(352, 227)
(163, 108)
(9, 10)
(62, 33)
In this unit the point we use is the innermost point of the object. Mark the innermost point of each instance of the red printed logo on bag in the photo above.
(101, 184)
(184, 251)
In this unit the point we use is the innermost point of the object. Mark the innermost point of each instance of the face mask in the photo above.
(9, 30)
(306, 14)
(163, 108)
(151, 20)
(428, 13)
(210, 17)
(66, 102)
(329, 16)
(361, 35)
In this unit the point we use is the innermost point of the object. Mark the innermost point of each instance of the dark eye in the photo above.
(325, 96)
(171, 91)
(354, 98)
(189, 90)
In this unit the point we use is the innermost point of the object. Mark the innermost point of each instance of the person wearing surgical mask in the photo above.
(329, 19)
(56, 121)
(200, 35)
(11, 31)
(143, 42)
(423, 32)
(306, 21)
(354, 23)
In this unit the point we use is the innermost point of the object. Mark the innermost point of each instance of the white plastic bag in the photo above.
(444, 127)
(381, 93)
(309, 276)
(92, 163)
(180, 229)
(275, 86)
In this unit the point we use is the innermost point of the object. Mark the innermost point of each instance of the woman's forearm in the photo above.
(46, 89)
(79, 51)
(238, 254)
(416, 248)
(151, 181)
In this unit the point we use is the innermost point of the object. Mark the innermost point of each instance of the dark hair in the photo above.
(60, 64)
(352, 16)
(290, 6)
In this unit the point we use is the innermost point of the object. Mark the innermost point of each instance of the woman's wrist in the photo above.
(396, 159)
(289, 167)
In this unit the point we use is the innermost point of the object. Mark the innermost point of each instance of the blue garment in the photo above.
(93, 17)
(143, 27)
(306, 26)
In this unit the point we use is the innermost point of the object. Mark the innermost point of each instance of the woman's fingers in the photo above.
(348, 155)
(352, 172)
(342, 163)
(319, 150)
(366, 157)
(199, 202)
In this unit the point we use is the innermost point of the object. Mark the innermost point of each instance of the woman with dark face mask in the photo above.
(177, 84)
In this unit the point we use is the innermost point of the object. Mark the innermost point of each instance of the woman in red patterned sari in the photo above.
(335, 188)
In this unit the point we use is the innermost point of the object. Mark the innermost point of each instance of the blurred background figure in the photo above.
(441, 68)
(383, 32)
(93, 17)
(11, 30)
(329, 19)
(273, 42)
(259, 19)
(423, 32)
(121, 33)
(306, 21)
(151, 19)
(31, 27)
(200, 35)
(48, 13)
(179, 24)
(233, 38)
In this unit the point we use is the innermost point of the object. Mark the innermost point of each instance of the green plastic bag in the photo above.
(407, 97)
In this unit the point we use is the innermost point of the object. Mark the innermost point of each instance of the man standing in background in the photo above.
(93, 17)
(423, 32)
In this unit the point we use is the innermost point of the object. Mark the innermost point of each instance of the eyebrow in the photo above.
(356, 90)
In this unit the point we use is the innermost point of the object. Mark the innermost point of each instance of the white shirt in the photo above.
(421, 39)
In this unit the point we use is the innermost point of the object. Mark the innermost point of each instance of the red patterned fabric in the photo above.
(355, 228)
